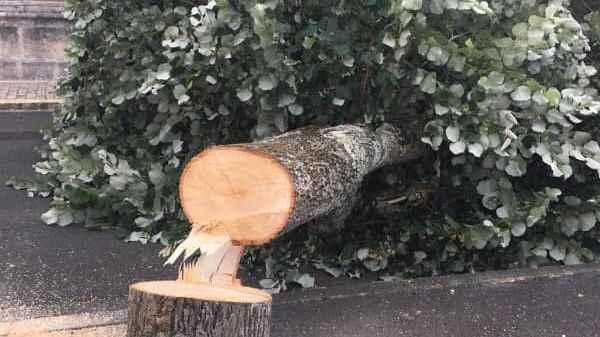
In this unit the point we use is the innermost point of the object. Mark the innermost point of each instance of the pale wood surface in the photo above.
(245, 192)
(219, 268)
(197, 291)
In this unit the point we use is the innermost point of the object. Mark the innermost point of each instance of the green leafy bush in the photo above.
(499, 89)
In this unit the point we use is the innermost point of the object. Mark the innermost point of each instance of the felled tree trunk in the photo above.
(248, 194)
(257, 191)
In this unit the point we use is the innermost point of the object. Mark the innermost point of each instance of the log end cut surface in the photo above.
(195, 291)
(245, 192)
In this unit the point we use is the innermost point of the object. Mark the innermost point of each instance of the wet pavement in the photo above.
(548, 302)
(561, 302)
(49, 272)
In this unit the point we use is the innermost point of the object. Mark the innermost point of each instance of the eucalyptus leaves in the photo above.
(526, 100)
(502, 86)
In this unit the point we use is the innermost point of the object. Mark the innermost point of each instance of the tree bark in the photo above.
(170, 308)
(255, 192)
(328, 165)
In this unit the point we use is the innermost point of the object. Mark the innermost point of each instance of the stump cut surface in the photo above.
(232, 294)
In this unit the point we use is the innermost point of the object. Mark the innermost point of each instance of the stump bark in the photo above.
(174, 308)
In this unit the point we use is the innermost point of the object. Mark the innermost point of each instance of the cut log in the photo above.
(175, 308)
(255, 192)
(248, 194)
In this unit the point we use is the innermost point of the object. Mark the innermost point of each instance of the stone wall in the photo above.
(32, 40)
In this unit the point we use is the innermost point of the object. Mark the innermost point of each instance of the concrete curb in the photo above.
(29, 105)
(32, 9)
(119, 330)
(28, 95)
(62, 323)
(477, 280)
(111, 324)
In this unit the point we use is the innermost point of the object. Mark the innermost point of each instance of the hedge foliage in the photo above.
(501, 90)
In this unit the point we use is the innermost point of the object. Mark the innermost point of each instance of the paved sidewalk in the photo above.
(50, 271)
(549, 302)
(29, 8)
(60, 282)
(25, 107)
(27, 95)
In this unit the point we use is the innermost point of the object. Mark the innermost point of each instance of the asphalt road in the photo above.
(49, 270)
(550, 302)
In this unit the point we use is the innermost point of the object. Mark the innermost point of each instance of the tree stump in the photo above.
(175, 308)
